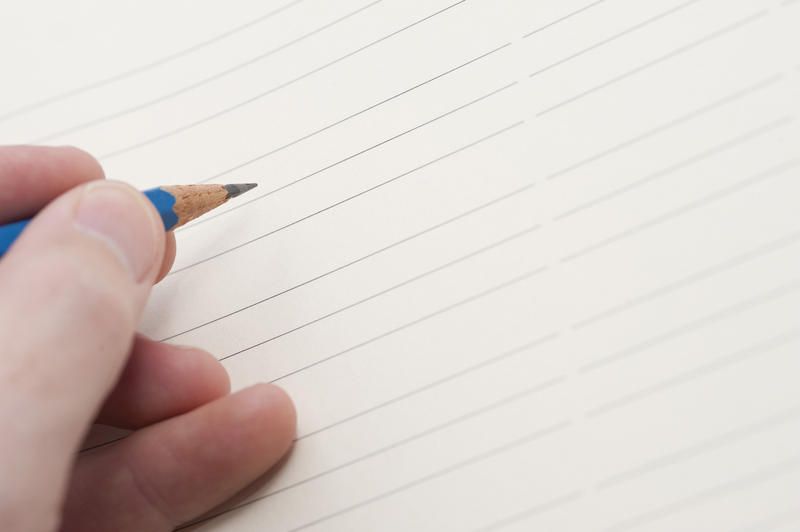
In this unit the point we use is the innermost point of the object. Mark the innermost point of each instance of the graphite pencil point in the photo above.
(239, 189)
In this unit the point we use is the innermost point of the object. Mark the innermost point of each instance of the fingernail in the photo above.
(121, 218)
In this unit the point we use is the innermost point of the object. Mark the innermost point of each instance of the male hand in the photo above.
(72, 289)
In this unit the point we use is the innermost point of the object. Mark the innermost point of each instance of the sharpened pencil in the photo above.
(177, 205)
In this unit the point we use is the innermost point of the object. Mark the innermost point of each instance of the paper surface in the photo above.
(521, 265)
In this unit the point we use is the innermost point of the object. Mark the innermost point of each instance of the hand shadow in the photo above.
(257, 490)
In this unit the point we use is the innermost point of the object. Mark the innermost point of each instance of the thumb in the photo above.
(72, 288)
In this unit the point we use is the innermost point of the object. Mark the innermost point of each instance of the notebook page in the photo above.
(521, 265)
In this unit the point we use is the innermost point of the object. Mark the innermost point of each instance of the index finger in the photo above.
(31, 176)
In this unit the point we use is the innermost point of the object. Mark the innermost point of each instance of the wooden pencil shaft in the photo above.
(192, 201)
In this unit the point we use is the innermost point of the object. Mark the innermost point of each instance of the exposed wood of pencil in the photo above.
(192, 201)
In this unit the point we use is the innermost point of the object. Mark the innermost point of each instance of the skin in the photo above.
(73, 288)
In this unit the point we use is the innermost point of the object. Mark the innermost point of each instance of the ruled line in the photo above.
(698, 276)
(427, 230)
(770, 296)
(538, 388)
(471, 255)
(694, 205)
(296, 141)
(704, 447)
(530, 438)
(505, 522)
(786, 517)
(104, 444)
(688, 117)
(703, 370)
(148, 66)
(616, 36)
(544, 385)
(676, 212)
(354, 115)
(579, 324)
(470, 299)
(564, 18)
(735, 142)
(720, 103)
(259, 96)
(354, 155)
(741, 483)
(538, 509)
(671, 55)
(728, 99)
(495, 405)
(350, 198)
(523, 349)
(203, 81)
(709, 445)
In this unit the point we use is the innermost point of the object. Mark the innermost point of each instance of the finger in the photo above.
(170, 249)
(31, 176)
(171, 472)
(73, 287)
(161, 381)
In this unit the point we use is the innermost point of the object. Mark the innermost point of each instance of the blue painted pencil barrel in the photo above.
(9, 233)
(165, 204)
(163, 201)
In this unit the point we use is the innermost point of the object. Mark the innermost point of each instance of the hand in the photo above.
(72, 288)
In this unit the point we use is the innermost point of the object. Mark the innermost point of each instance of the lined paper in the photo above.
(521, 265)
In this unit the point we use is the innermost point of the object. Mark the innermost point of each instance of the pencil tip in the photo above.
(239, 189)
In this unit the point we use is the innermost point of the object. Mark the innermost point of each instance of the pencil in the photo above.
(177, 205)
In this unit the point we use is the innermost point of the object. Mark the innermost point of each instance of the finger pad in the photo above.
(161, 381)
(174, 471)
(199, 460)
(31, 176)
(170, 251)
(250, 431)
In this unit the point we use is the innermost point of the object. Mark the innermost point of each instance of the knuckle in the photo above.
(154, 499)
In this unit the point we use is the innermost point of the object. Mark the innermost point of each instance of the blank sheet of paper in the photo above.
(522, 265)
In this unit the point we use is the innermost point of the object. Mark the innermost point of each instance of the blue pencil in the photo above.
(177, 205)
